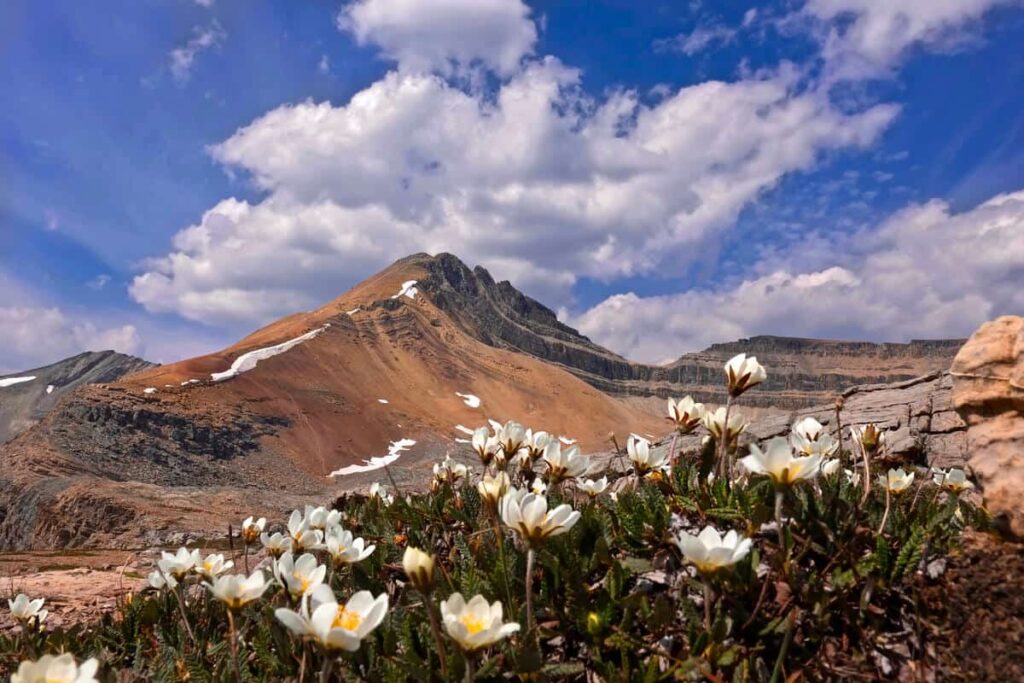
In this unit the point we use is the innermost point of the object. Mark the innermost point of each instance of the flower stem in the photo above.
(234, 645)
(501, 555)
(867, 474)
(391, 478)
(784, 650)
(530, 558)
(839, 430)
(470, 668)
(709, 597)
(885, 515)
(435, 628)
(725, 471)
(181, 608)
(780, 498)
(245, 556)
(325, 672)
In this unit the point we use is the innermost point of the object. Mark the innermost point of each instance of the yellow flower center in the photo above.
(347, 619)
(473, 623)
(302, 580)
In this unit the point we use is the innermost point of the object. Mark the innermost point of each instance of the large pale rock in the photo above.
(988, 393)
(917, 415)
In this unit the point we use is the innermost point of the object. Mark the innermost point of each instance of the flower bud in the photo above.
(419, 567)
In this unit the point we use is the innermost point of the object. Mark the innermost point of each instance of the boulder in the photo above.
(988, 393)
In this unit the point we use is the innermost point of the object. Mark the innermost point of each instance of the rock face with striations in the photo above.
(804, 372)
(24, 403)
(988, 393)
(917, 415)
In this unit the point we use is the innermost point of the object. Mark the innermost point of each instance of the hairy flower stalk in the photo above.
(491, 490)
(176, 588)
(885, 515)
(711, 553)
(741, 373)
(725, 467)
(419, 567)
(528, 515)
(530, 559)
(709, 598)
(233, 636)
(840, 402)
(780, 498)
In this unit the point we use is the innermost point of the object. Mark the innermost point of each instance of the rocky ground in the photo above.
(78, 586)
(977, 608)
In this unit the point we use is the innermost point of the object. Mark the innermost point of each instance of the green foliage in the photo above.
(612, 597)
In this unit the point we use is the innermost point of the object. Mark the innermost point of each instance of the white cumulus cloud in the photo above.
(540, 182)
(925, 272)
(35, 336)
(444, 35)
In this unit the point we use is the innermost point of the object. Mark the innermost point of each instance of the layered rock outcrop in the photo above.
(922, 427)
(988, 393)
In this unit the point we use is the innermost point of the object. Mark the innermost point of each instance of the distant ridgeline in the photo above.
(32, 393)
(804, 372)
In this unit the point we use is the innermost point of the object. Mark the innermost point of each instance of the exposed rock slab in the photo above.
(988, 393)
(917, 414)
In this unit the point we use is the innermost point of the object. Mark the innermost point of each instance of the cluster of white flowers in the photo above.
(314, 543)
(511, 454)
(449, 472)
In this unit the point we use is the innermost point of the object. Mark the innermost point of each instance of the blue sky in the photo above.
(666, 174)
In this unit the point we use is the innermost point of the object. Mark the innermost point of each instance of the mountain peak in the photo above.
(499, 315)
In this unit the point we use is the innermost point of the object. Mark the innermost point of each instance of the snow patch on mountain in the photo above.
(408, 289)
(248, 361)
(469, 399)
(11, 381)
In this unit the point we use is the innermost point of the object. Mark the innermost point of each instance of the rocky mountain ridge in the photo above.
(25, 403)
(804, 371)
(176, 447)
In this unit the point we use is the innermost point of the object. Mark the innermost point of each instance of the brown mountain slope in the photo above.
(168, 448)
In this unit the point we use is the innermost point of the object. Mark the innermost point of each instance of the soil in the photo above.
(979, 604)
